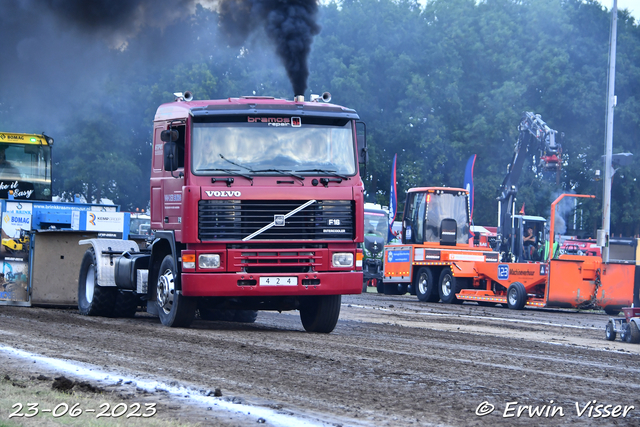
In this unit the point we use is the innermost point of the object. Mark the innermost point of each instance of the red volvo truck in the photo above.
(256, 204)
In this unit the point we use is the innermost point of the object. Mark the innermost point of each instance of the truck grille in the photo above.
(238, 219)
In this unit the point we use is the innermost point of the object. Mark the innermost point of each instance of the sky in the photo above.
(633, 6)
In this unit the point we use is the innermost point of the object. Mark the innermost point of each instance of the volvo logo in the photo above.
(212, 193)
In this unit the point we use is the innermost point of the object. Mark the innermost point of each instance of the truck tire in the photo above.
(426, 289)
(391, 289)
(365, 283)
(612, 310)
(402, 288)
(174, 309)
(448, 287)
(94, 300)
(610, 332)
(127, 303)
(320, 313)
(634, 333)
(240, 316)
(380, 286)
(516, 296)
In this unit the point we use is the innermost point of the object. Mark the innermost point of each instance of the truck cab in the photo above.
(256, 204)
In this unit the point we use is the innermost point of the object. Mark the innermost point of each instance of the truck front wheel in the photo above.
(320, 313)
(93, 299)
(174, 309)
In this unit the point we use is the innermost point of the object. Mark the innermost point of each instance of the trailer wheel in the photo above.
(425, 287)
(320, 313)
(610, 332)
(126, 305)
(634, 333)
(380, 286)
(625, 332)
(516, 296)
(174, 309)
(448, 287)
(93, 299)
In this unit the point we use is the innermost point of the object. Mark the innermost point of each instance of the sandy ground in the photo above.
(391, 361)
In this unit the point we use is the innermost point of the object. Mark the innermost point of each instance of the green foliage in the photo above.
(435, 84)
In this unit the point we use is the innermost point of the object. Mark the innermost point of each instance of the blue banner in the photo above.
(399, 256)
(468, 183)
(393, 200)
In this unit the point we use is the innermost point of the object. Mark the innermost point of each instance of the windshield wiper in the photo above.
(325, 171)
(235, 164)
(282, 172)
(229, 171)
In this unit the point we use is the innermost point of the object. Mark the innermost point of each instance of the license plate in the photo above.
(279, 281)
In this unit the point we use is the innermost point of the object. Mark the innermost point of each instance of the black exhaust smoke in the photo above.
(290, 25)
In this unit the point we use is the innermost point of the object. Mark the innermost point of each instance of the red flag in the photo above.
(522, 209)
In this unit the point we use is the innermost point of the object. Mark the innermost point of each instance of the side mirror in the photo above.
(170, 135)
(361, 139)
(170, 155)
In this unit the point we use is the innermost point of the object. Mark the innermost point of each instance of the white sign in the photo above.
(105, 221)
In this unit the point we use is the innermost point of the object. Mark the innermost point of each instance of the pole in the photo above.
(608, 173)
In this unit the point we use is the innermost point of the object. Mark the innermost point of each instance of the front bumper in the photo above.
(248, 284)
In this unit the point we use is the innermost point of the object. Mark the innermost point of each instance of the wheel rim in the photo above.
(166, 290)
(513, 297)
(446, 285)
(422, 284)
(90, 283)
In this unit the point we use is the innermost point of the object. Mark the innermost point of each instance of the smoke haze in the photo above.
(63, 53)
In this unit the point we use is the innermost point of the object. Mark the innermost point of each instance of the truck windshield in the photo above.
(25, 171)
(444, 206)
(375, 222)
(263, 149)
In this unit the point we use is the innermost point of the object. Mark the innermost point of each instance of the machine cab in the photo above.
(436, 216)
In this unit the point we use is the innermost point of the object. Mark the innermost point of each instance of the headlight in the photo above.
(366, 252)
(209, 261)
(342, 259)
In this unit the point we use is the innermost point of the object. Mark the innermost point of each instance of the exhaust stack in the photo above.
(298, 98)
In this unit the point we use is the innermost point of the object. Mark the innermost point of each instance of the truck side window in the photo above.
(416, 210)
(420, 213)
(180, 143)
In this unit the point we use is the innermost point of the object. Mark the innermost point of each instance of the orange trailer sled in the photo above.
(445, 267)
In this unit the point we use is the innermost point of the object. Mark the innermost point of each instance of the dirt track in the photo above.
(390, 361)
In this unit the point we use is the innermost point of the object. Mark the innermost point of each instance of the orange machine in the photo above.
(438, 260)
